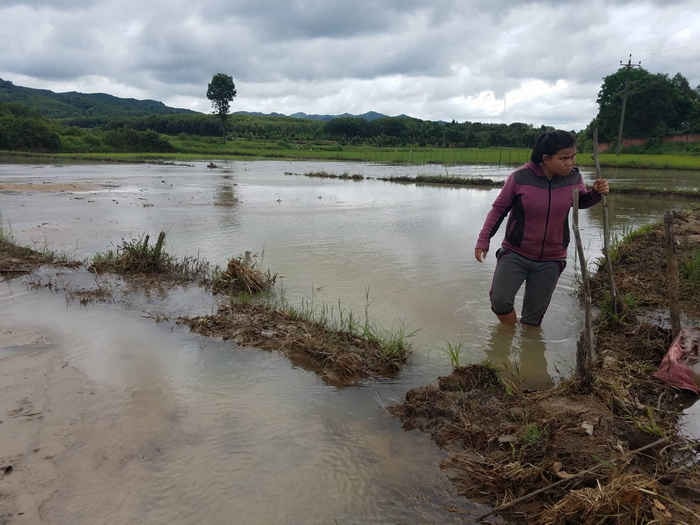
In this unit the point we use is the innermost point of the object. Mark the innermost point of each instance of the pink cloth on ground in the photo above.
(680, 367)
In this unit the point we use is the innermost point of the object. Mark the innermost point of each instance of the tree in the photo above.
(657, 105)
(221, 91)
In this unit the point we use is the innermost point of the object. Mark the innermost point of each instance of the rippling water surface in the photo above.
(246, 423)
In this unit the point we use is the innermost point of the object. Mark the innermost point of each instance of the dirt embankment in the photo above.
(341, 358)
(18, 260)
(559, 456)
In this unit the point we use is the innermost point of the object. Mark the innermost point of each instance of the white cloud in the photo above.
(500, 61)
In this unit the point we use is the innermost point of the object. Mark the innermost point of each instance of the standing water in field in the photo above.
(243, 429)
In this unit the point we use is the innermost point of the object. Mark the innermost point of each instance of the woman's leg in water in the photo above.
(511, 271)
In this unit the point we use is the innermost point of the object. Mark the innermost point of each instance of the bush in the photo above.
(27, 134)
(131, 140)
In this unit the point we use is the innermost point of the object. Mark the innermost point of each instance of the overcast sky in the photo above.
(489, 61)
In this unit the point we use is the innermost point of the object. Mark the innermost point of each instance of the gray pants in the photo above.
(540, 280)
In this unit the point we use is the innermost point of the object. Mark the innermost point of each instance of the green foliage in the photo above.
(20, 129)
(656, 105)
(531, 434)
(628, 233)
(617, 314)
(690, 269)
(221, 91)
(126, 139)
(454, 352)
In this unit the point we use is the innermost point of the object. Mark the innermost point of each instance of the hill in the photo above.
(76, 105)
(369, 116)
(98, 106)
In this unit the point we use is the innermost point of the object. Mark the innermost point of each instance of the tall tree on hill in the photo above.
(221, 91)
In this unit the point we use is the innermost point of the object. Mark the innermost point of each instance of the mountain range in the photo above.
(72, 105)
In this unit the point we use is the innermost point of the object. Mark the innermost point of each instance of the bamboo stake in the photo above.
(606, 224)
(672, 279)
(584, 350)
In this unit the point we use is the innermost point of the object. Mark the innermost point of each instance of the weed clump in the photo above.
(242, 276)
(137, 257)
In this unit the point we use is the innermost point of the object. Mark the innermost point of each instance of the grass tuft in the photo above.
(454, 352)
(137, 256)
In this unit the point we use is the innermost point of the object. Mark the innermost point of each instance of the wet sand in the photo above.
(66, 457)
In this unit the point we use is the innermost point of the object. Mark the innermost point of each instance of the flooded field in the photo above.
(244, 431)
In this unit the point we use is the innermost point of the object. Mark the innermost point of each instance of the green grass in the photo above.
(137, 256)
(393, 344)
(627, 234)
(190, 147)
(454, 352)
(641, 160)
(531, 434)
(690, 269)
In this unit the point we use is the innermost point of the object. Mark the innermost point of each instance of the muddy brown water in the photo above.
(247, 433)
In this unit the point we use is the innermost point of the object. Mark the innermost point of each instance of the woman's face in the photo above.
(561, 163)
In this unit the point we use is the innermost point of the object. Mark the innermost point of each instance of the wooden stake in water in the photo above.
(672, 279)
(606, 225)
(584, 350)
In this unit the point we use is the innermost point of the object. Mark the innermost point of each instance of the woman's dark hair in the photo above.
(549, 142)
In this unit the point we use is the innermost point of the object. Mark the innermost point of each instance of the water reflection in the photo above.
(520, 349)
(225, 195)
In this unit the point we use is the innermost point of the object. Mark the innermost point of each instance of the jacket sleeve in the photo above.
(500, 208)
(587, 197)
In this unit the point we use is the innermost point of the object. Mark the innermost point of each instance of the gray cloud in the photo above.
(498, 60)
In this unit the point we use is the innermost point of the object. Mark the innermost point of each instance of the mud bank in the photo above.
(558, 456)
(18, 260)
(340, 358)
(486, 183)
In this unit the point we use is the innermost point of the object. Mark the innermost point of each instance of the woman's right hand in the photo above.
(480, 254)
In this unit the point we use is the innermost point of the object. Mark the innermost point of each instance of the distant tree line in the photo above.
(402, 131)
(657, 105)
(387, 131)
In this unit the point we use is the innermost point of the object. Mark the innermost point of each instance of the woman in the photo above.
(538, 196)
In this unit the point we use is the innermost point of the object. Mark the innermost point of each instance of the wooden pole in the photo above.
(618, 146)
(672, 278)
(606, 224)
(584, 350)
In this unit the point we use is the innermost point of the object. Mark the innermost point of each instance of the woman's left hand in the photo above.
(601, 186)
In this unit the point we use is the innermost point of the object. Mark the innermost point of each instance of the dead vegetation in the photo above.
(557, 456)
(243, 276)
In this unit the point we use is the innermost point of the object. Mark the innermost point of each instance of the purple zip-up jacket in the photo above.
(538, 224)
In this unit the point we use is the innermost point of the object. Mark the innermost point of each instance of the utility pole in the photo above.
(627, 67)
